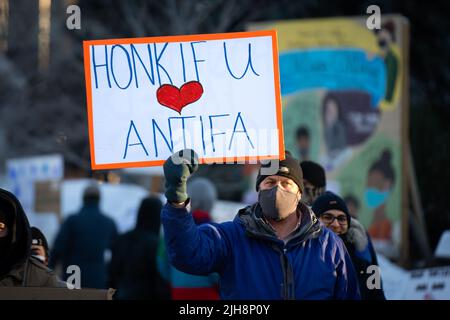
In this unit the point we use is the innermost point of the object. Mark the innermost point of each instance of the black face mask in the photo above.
(4, 245)
(277, 203)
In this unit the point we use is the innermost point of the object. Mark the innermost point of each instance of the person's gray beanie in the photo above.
(203, 194)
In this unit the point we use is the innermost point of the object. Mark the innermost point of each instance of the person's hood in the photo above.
(356, 235)
(255, 224)
(203, 194)
(149, 215)
(90, 206)
(20, 245)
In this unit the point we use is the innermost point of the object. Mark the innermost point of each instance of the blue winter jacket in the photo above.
(254, 264)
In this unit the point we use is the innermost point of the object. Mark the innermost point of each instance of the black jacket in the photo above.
(133, 270)
(17, 267)
(362, 254)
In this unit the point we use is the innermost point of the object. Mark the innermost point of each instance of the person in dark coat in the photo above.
(333, 213)
(17, 266)
(314, 181)
(84, 239)
(39, 245)
(133, 268)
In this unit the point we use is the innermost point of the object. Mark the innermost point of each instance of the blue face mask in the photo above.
(375, 198)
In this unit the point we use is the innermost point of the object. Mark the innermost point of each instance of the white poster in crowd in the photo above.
(428, 284)
(225, 210)
(218, 94)
(22, 173)
(118, 201)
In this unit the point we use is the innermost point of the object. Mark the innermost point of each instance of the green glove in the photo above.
(177, 169)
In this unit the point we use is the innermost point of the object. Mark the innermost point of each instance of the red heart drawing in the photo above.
(176, 99)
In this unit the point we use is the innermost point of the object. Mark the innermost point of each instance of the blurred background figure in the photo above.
(333, 213)
(39, 246)
(352, 205)
(314, 181)
(303, 143)
(185, 286)
(133, 268)
(85, 240)
(334, 128)
(17, 266)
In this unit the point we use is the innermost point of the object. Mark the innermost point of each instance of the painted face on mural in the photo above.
(378, 189)
(386, 36)
(303, 142)
(384, 39)
(377, 180)
(331, 112)
(380, 181)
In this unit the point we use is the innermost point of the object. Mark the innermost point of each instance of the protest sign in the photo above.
(218, 94)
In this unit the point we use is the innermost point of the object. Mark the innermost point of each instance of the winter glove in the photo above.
(177, 169)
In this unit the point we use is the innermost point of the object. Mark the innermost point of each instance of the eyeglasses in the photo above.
(329, 219)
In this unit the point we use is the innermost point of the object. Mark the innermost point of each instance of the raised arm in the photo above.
(192, 249)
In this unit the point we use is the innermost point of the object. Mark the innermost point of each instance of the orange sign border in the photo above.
(184, 38)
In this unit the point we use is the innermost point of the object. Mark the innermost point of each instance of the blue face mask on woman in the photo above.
(375, 198)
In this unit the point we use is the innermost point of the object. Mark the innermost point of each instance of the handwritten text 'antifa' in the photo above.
(176, 127)
(151, 63)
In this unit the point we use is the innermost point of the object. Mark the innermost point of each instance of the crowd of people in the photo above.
(297, 241)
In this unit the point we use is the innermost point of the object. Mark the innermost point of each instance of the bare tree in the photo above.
(47, 111)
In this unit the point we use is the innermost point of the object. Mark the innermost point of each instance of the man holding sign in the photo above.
(274, 249)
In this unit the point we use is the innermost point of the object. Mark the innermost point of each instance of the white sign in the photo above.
(443, 247)
(119, 201)
(428, 284)
(218, 94)
(22, 173)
